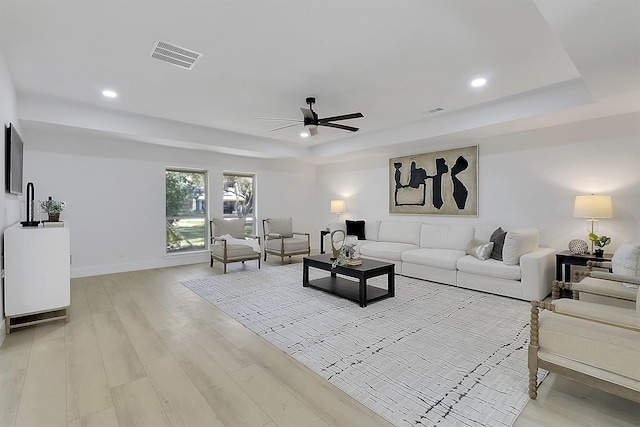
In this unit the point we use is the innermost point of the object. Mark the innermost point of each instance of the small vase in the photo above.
(599, 253)
(54, 217)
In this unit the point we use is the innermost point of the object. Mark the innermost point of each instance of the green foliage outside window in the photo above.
(185, 210)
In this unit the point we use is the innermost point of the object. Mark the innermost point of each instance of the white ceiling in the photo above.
(561, 60)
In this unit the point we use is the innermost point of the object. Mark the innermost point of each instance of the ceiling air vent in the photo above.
(435, 110)
(175, 55)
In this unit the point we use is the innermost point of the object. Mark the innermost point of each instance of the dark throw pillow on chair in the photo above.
(497, 237)
(355, 228)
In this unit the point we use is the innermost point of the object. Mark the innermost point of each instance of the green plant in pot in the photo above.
(52, 208)
(600, 242)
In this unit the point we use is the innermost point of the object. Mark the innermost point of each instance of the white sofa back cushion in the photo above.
(371, 229)
(445, 237)
(519, 242)
(399, 232)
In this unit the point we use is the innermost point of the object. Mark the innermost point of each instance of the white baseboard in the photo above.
(167, 261)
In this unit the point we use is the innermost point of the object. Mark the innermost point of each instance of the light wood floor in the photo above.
(142, 350)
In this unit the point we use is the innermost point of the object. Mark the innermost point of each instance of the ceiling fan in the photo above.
(311, 121)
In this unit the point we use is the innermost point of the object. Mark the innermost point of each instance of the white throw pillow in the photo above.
(626, 261)
(480, 250)
(519, 242)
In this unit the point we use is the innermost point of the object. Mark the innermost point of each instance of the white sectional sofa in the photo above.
(438, 253)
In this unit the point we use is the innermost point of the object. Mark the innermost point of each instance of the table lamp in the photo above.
(337, 207)
(592, 206)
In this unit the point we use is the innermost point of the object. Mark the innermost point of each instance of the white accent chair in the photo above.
(231, 251)
(281, 240)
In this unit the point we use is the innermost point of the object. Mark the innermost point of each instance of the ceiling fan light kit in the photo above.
(311, 121)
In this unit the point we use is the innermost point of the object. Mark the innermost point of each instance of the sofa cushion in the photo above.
(489, 268)
(445, 237)
(519, 242)
(356, 228)
(497, 237)
(400, 232)
(234, 227)
(386, 250)
(372, 229)
(440, 258)
(479, 250)
(282, 226)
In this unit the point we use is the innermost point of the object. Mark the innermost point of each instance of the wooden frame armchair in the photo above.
(596, 344)
(281, 240)
(228, 243)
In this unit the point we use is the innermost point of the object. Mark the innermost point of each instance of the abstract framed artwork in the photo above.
(438, 183)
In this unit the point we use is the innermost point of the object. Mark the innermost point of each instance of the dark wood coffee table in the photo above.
(353, 290)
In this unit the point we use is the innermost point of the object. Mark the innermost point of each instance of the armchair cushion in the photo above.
(626, 260)
(233, 227)
(282, 226)
(291, 244)
(606, 347)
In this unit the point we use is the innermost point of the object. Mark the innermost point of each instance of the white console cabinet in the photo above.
(37, 275)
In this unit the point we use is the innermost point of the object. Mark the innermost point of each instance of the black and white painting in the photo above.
(443, 182)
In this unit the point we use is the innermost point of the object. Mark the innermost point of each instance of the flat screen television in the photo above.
(13, 160)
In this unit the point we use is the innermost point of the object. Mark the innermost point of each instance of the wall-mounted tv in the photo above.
(13, 147)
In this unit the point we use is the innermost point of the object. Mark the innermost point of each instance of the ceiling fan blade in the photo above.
(313, 131)
(343, 117)
(284, 127)
(307, 113)
(337, 126)
(278, 119)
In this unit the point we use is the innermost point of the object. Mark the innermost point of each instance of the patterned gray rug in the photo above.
(432, 355)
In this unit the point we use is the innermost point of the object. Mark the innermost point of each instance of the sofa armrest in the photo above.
(538, 271)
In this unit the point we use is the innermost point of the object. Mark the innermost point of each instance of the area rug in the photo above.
(432, 355)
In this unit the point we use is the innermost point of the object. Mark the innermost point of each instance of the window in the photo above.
(238, 198)
(186, 210)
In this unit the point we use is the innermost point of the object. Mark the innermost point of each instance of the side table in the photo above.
(568, 258)
(322, 234)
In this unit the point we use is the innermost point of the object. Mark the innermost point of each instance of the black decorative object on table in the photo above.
(30, 222)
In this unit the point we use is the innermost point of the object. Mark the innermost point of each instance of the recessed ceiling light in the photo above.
(479, 82)
(109, 93)
(304, 134)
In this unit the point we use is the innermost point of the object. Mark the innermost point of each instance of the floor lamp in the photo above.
(592, 206)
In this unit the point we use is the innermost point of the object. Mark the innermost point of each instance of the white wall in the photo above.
(9, 204)
(115, 194)
(527, 178)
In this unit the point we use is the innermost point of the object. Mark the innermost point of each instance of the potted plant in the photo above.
(52, 208)
(600, 242)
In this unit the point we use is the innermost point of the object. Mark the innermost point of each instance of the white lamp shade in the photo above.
(593, 206)
(337, 206)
